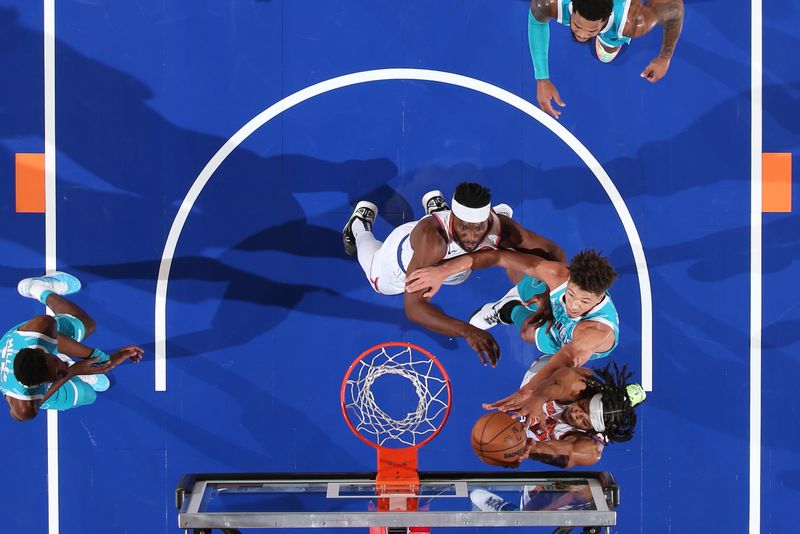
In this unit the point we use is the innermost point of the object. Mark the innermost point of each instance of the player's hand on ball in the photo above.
(522, 403)
(656, 69)
(428, 279)
(546, 93)
(526, 453)
(484, 344)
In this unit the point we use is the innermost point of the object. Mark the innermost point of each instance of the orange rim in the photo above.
(372, 350)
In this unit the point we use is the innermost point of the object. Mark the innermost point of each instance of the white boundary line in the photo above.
(50, 236)
(756, 102)
(399, 74)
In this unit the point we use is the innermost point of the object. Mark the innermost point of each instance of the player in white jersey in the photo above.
(445, 232)
(577, 413)
(564, 309)
(36, 367)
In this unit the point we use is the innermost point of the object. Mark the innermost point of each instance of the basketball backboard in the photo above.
(442, 499)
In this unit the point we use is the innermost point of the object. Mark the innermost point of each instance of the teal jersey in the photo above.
(72, 394)
(563, 325)
(12, 342)
(611, 35)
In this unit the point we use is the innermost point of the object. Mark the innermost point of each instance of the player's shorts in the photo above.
(70, 326)
(387, 274)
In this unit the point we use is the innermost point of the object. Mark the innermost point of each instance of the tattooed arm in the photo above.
(644, 17)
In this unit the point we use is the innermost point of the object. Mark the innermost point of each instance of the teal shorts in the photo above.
(70, 326)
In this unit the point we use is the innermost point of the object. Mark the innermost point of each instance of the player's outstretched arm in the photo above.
(644, 17)
(552, 273)
(539, 44)
(429, 248)
(588, 338)
(523, 240)
(565, 385)
(570, 451)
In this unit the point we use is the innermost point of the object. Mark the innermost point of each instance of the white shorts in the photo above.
(387, 273)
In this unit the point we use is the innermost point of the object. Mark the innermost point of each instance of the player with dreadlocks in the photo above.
(575, 413)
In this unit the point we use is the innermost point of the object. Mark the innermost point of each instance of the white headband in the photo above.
(471, 215)
(596, 413)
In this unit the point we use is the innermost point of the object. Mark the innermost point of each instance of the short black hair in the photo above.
(472, 195)
(30, 367)
(591, 271)
(593, 9)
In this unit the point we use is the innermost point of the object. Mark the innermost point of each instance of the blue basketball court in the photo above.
(205, 156)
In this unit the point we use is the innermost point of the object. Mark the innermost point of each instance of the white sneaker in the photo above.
(434, 201)
(365, 212)
(503, 209)
(488, 315)
(602, 54)
(486, 501)
(59, 283)
(98, 383)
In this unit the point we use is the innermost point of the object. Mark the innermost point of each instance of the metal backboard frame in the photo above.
(340, 487)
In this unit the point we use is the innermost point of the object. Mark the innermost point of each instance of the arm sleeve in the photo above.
(539, 43)
(74, 393)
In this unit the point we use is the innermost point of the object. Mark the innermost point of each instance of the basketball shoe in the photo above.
(365, 212)
(486, 501)
(59, 283)
(494, 313)
(434, 201)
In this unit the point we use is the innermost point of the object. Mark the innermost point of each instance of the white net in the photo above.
(376, 423)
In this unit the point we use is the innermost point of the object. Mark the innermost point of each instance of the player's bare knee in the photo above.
(41, 323)
(88, 324)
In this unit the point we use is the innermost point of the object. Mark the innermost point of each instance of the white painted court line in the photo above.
(400, 74)
(756, 103)
(50, 236)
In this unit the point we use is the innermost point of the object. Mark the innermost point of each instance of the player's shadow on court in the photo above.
(97, 98)
(722, 255)
(230, 285)
(702, 361)
(246, 396)
(261, 414)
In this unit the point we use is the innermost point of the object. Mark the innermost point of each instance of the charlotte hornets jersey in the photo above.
(563, 325)
(12, 342)
(611, 34)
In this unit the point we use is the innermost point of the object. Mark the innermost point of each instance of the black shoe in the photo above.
(366, 212)
(433, 201)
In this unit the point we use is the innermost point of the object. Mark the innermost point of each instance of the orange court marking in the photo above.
(29, 172)
(776, 182)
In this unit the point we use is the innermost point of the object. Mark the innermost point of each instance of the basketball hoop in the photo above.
(398, 434)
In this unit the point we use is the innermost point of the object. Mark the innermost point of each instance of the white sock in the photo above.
(37, 288)
(359, 227)
(367, 246)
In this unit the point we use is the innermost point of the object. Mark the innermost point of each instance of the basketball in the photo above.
(498, 439)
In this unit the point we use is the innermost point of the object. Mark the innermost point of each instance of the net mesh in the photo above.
(374, 422)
